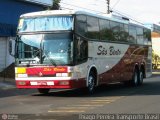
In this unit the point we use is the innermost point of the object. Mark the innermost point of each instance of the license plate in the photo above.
(42, 83)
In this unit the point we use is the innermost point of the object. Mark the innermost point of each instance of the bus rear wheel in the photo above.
(43, 90)
(135, 78)
(140, 79)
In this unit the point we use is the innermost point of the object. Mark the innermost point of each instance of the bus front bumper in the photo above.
(55, 84)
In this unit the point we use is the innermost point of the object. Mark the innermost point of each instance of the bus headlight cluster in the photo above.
(21, 72)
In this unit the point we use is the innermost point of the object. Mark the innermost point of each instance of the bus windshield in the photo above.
(45, 23)
(47, 49)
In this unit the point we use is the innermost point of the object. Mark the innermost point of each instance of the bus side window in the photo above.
(132, 34)
(123, 32)
(140, 36)
(105, 31)
(81, 25)
(93, 28)
(115, 27)
(147, 37)
(126, 32)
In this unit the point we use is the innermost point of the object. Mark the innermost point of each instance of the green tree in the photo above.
(56, 5)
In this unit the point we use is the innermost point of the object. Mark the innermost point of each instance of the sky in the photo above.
(145, 11)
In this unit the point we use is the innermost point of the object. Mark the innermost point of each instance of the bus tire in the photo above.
(140, 77)
(91, 83)
(135, 78)
(43, 90)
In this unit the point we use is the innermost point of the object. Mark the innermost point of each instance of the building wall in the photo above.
(10, 11)
(3, 43)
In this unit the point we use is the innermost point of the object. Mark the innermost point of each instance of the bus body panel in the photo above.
(114, 60)
(48, 77)
(114, 63)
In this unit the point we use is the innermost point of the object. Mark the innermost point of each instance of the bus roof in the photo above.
(48, 12)
(72, 12)
(67, 12)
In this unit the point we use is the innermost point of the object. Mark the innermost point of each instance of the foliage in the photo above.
(56, 5)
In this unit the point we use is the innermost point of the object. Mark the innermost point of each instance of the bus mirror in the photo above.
(10, 47)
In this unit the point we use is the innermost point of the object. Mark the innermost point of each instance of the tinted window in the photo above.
(105, 31)
(126, 29)
(140, 35)
(122, 33)
(132, 34)
(115, 27)
(92, 27)
(147, 36)
(81, 25)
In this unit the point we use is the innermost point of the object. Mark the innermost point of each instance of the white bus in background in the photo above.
(76, 49)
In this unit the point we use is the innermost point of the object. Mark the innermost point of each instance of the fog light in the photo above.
(64, 83)
(22, 83)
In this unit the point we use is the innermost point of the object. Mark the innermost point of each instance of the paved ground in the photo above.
(72, 105)
(7, 83)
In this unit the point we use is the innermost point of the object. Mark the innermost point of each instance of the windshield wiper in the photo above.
(52, 61)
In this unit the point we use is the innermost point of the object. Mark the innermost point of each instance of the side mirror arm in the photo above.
(10, 47)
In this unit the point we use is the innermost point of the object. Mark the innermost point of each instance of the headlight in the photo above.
(21, 75)
(63, 74)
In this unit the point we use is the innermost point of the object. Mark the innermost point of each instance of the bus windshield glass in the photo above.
(47, 49)
(45, 23)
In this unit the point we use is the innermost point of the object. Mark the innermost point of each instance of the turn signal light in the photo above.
(20, 70)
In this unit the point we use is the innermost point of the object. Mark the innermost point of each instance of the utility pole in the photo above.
(108, 4)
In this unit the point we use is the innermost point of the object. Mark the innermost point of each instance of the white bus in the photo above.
(76, 49)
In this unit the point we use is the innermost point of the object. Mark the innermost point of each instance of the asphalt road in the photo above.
(108, 100)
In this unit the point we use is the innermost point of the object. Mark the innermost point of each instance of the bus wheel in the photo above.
(43, 90)
(91, 83)
(134, 81)
(140, 78)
